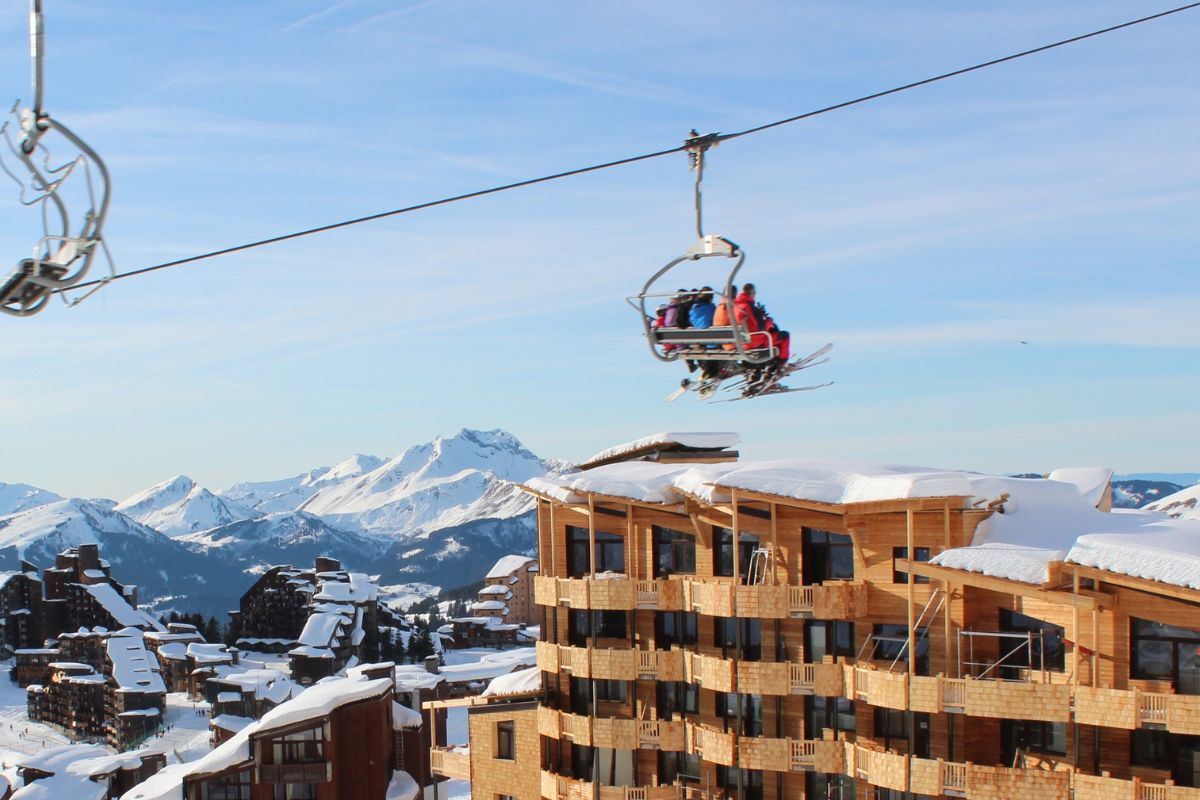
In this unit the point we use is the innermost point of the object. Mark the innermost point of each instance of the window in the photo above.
(723, 557)
(1043, 649)
(1040, 737)
(674, 628)
(581, 696)
(609, 625)
(301, 747)
(1149, 748)
(227, 787)
(725, 633)
(676, 697)
(826, 556)
(829, 785)
(581, 762)
(828, 713)
(751, 712)
(891, 724)
(610, 552)
(295, 791)
(505, 743)
(674, 552)
(748, 781)
(1165, 653)
(613, 691)
(674, 767)
(827, 638)
(890, 643)
(901, 553)
(892, 727)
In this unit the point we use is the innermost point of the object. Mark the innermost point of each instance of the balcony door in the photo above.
(826, 556)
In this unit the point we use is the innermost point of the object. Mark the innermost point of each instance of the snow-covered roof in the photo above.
(126, 615)
(230, 722)
(491, 665)
(321, 628)
(1043, 520)
(410, 677)
(496, 588)
(519, 682)
(507, 565)
(134, 668)
(705, 441)
(209, 653)
(266, 684)
(404, 718)
(490, 605)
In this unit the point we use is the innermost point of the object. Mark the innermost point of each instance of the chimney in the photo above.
(89, 556)
(327, 564)
(433, 665)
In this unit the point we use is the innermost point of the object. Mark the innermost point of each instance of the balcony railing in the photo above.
(976, 697)
(558, 787)
(317, 772)
(611, 663)
(451, 763)
(620, 734)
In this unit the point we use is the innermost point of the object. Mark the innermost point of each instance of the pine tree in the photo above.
(212, 630)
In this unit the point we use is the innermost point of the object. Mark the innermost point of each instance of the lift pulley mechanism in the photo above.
(75, 187)
(725, 343)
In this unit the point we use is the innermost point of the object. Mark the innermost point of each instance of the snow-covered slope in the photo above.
(178, 507)
(1184, 504)
(285, 537)
(447, 482)
(16, 497)
(288, 494)
(160, 567)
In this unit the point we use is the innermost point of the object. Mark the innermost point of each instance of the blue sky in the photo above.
(1051, 201)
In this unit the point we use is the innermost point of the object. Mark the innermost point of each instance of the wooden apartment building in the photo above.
(837, 630)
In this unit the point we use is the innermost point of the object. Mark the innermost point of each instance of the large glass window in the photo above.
(748, 781)
(677, 697)
(1039, 737)
(227, 787)
(828, 713)
(674, 552)
(751, 712)
(1150, 749)
(1042, 648)
(891, 641)
(674, 767)
(829, 786)
(613, 691)
(609, 625)
(610, 552)
(673, 628)
(723, 557)
(901, 553)
(828, 638)
(827, 556)
(581, 762)
(1165, 653)
(295, 791)
(725, 636)
(892, 726)
(298, 748)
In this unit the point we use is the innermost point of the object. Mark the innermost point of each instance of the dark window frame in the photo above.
(826, 556)
(1175, 637)
(901, 554)
(609, 555)
(674, 552)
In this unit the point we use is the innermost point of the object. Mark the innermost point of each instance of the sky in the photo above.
(1005, 262)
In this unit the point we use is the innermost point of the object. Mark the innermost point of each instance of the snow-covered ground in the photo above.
(19, 736)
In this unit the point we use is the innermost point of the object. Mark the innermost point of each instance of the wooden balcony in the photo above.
(619, 734)
(610, 663)
(615, 594)
(317, 772)
(1133, 708)
(791, 755)
(826, 679)
(450, 763)
(976, 697)
(828, 601)
(711, 672)
(711, 745)
(660, 594)
(557, 787)
(1095, 787)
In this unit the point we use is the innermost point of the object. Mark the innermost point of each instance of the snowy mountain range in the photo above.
(438, 513)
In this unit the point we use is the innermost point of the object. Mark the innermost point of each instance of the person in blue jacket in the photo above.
(702, 310)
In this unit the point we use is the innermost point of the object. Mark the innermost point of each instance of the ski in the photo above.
(776, 390)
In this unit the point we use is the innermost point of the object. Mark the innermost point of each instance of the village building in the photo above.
(20, 611)
(334, 741)
(829, 628)
(118, 696)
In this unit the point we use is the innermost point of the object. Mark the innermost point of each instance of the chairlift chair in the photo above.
(719, 343)
(63, 255)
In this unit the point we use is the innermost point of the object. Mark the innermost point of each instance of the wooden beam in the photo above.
(1140, 584)
(737, 550)
(909, 537)
(591, 504)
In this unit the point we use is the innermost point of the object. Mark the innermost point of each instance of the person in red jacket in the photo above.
(761, 321)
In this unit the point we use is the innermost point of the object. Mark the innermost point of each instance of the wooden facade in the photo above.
(769, 647)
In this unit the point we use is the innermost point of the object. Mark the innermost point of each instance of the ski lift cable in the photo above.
(694, 146)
